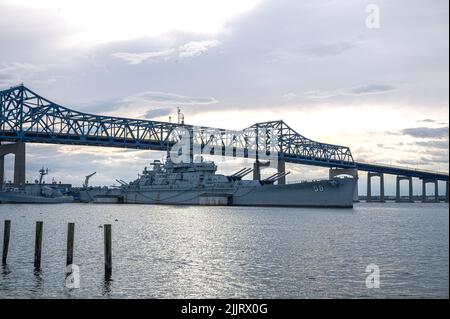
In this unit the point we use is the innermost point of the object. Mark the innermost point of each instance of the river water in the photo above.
(231, 252)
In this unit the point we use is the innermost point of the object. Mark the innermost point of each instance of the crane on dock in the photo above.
(86, 180)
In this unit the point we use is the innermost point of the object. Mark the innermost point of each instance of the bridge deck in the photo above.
(403, 171)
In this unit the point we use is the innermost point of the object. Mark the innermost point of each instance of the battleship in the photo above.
(197, 183)
(37, 193)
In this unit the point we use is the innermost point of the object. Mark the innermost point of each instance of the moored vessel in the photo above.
(197, 183)
(38, 193)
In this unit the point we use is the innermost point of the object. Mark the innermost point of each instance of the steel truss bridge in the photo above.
(28, 117)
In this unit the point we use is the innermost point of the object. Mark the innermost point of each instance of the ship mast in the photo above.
(180, 116)
(42, 172)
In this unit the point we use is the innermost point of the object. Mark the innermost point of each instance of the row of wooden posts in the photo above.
(70, 240)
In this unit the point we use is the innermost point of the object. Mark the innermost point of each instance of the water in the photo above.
(231, 252)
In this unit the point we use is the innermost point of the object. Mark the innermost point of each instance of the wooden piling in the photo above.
(38, 246)
(6, 232)
(70, 239)
(108, 256)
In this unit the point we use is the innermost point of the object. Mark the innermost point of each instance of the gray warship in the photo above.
(37, 193)
(196, 183)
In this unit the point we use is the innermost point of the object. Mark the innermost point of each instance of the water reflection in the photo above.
(38, 281)
(106, 287)
(5, 270)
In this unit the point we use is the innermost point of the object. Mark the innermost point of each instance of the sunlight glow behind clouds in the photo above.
(102, 21)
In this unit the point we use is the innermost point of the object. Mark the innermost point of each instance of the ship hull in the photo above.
(327, 193)
(307, 194)
(17, 198)
(96, 194)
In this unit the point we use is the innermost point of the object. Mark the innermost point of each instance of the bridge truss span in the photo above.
(28, 117)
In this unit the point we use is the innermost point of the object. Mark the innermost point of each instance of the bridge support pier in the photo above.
(424, 190)
(281, 169)
(446, 191)
(410, 188)
(369, 186)
(334, 172)
(257, 169)
(2, 169)
(18, 149)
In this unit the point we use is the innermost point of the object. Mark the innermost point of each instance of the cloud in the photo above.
(433, 144)
(196, 48)
(370, 89)
(169, 98)
(427, 121)
(16, 72)
(289, 96)
(146, 105)
(427, 132)
(387, 147)
(425, 158)
(441, 159)
(157, 113)
(309, 50)
(137, 105)
(354, 91)
(327, 49)
(136, 58)
(189, 49)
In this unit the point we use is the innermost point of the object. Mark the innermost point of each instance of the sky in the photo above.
(318, 65)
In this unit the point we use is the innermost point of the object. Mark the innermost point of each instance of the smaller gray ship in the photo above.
(197, 183)
(37, 193)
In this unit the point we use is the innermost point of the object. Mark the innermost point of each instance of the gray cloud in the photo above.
(16, 72)
(309, 50)
(433, 144)
(370, 89)
(328, 49)
(95, 107)
(427, 132)
(157, 113)
(409, 162)
(170, 98)
(442, 159)
(355, 91)
(381, 145)
(429, 159)
(142, 99)
(427, 121)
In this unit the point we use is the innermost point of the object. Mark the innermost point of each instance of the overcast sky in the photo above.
(315, 64)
